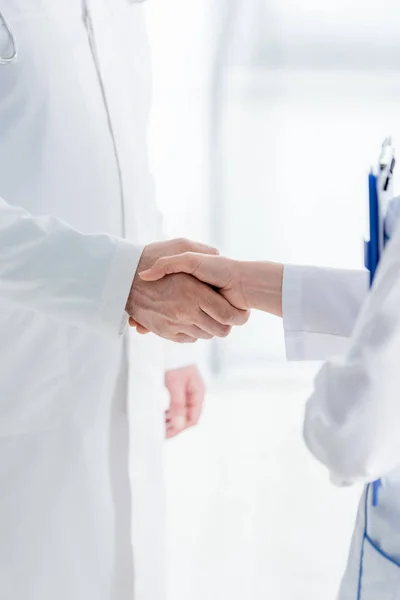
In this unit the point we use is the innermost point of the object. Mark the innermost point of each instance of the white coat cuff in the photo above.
(118, 285)
(320, 307)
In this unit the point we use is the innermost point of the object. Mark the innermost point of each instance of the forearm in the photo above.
(319, 306)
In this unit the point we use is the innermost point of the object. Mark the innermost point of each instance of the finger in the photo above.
(177, 423)
(198, 332)
(213, 270)
(180, 263)
(178, 338)
(171, 432)
(194, 406)
(176, 415)
(139, 328)
(142, 330)
(176, 426)
(182, 338)
(219, 309)
(211, 326)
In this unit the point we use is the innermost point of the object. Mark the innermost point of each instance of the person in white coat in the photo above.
(352, 419)
(81, 404)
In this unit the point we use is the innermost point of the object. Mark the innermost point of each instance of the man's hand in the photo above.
(186, 389)
(180, 308)
(245, 285)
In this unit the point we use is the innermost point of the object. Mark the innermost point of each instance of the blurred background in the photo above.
(267, 115)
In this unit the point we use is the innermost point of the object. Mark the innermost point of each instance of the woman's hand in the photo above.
(245, 285)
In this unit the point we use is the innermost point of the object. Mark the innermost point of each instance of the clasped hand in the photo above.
(180, 307)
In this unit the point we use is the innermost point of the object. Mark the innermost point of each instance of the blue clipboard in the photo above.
(380, 188)
(380, 192)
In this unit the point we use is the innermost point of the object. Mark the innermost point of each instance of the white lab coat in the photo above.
(79, 514)
(352, 420)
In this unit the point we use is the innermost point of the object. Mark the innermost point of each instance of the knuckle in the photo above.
(180, 338)
(191, 259)
(160, 262)
(183, 244)
(181, 315)
(205, 335)
(165, 326)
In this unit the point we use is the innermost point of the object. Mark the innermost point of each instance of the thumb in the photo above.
(214, 270)
(180, 263)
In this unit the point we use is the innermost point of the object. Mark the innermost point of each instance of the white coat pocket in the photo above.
(380, 576)
(35, 387)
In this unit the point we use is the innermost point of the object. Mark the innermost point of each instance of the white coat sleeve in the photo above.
(50, 267)
(352, 419)
(320, 307)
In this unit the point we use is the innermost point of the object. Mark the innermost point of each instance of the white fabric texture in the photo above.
(49, 267)
(81, 407)
(351, 426)
(320, 308)
(352, 417)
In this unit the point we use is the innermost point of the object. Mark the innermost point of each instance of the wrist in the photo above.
(262, 285)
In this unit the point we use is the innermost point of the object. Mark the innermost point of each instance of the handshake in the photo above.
(183, 291)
